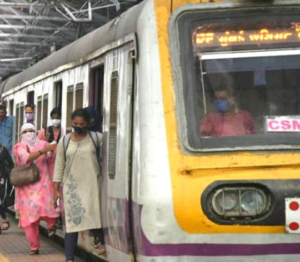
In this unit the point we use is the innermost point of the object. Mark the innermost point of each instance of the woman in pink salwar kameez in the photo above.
(34, 202)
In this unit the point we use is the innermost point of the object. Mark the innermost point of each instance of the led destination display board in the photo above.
(210, 37)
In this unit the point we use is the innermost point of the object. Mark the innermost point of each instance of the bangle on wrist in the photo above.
(41, 153)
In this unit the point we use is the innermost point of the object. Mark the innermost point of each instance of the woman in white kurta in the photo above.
(77, 170)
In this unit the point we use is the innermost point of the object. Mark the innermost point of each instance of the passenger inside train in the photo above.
(253, 96)
(227, 119)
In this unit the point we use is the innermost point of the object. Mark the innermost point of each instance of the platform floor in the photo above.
(14, 247)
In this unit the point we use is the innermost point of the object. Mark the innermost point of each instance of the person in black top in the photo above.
(6, 189)
(52, 133)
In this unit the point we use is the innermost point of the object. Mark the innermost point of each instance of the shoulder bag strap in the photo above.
(95, 139)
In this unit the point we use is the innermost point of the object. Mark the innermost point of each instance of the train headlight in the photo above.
(227, 201)
(239, 202)
(253, 202)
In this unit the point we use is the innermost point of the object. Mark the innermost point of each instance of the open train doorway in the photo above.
(96, 91)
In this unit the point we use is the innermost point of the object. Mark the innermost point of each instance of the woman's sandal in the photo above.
(51, 231)
(3, 227)
(34, 252)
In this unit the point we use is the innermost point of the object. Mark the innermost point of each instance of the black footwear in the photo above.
(5, 225)
(34, 252)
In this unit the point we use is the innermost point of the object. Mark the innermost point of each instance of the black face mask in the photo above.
(79, 130)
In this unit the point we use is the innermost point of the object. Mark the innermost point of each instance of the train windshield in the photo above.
(242, 87)
(248, 96)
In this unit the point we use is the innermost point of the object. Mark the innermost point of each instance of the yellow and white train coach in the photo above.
(201, 119)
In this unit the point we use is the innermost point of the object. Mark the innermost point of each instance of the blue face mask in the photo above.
(221, 105)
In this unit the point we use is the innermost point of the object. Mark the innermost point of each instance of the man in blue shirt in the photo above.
(6, 129)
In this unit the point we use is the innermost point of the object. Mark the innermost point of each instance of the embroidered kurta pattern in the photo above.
(79, 176)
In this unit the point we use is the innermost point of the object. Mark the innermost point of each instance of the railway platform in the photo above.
(14, 247)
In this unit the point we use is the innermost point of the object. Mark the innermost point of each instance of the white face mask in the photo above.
(55, 122)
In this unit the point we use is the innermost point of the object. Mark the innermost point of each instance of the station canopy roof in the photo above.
(30, 29)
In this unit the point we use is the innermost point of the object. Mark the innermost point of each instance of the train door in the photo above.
(117, 130)
(30, 98)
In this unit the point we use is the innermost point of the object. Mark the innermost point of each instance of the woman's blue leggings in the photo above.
(72, 238)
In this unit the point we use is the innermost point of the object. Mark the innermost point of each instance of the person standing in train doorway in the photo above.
(6, 129)
(29, 113)
(77, 169)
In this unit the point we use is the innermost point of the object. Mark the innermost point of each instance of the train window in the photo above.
(30, 98)
(79, 96)
(113, 125)
(11, 107)
(22, 113)
(257, 90)
(58, 87)
(39, 113)
(70, 104)
(247, 96)
(45, 111)
(18, 128)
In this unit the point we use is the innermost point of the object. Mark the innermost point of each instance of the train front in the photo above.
(233, 69)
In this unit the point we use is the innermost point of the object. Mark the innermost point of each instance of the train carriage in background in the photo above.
(169, 191)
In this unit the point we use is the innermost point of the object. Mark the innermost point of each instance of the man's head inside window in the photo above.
(224, 100)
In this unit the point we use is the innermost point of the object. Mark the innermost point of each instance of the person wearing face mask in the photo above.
(34, 202)
(227, 119)
(77, 170)
(52, 133)
(29, 113)
(6, 129)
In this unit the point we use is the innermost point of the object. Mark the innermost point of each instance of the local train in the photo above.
(161, 74)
